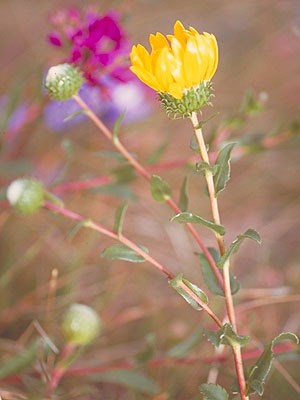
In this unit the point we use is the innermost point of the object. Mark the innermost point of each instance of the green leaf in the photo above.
(124, 173)
(122, 252)
(116, 189)
(160, 189)
(203, 167)
(249, 234)
(119, 217)
(20, 361)
(129, 378)
(176, 282)
(108, 154)
(260, 370)
(155, 156)
(223, 172)
(184, 347)
(148, 352)
(195, 219)
(76, 228)
(226, 336)
(210, 278)
(16, 167)
(117, 126)
(251, 105)
(212, 391)
(184, 200)
(74, 114)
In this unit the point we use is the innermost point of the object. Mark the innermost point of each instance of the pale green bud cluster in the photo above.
(63, 81)
(81, 324)
(26, 195)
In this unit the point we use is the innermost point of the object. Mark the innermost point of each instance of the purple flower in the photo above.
(95, 43)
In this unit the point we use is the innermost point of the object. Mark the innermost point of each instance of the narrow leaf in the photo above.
(148, 351)
(129, 378)
(226, 336)
(122, 252)
(117, 126)
(155, 156)
(195, 219)
(203, 167)
(160, 189)
(108, 154)
(184, 200)
(223, 173)
(76, 228)
(184, 347)
(232, 339)
(249, 234)
(175, 284)
(259, 372)
(119, 217)
(212, 391)
(74, 114)
(20, 361)
(210, 278)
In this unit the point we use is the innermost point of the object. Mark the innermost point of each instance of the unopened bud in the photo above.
(26, 195)
(81, 324)
(63, 81)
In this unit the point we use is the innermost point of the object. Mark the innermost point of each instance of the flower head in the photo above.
(177, 63)
(95, 43)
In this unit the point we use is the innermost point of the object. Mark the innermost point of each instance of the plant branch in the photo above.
(146, 175)
(88, 223)
(237, 354)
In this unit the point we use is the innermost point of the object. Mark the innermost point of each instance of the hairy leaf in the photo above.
(119, 217)
(184, 200)
(176, 282)
(160, 189)
(117, 126)
(195, 219)
(260, 370)
(129, 378)
(226, 336)
(212, 391)
(184, 347)
(210, 278)
(222, 175)
(203, 167)
(122, 252)
(249, 234)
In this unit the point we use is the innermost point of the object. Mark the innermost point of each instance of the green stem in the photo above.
(226, 269)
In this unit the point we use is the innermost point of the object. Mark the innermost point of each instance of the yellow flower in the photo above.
(177, 62)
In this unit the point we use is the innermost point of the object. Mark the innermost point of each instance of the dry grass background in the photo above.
(259, 48)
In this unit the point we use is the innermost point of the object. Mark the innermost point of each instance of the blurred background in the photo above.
(256, 91)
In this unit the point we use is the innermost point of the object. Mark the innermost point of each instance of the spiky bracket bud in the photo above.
(193, 99)
(63, 81)
(26, 195)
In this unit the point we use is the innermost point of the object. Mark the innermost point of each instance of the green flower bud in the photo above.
(63, 81)
(193, 99)
(26, 195)
(81, 324)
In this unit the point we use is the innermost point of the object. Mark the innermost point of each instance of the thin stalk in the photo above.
(146, 175)
(88, 223)
(237, 354)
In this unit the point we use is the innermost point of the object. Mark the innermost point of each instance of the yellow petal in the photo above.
(158, 41)
(146, 77)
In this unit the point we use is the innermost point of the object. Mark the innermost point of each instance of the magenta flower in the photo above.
(96, 43)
